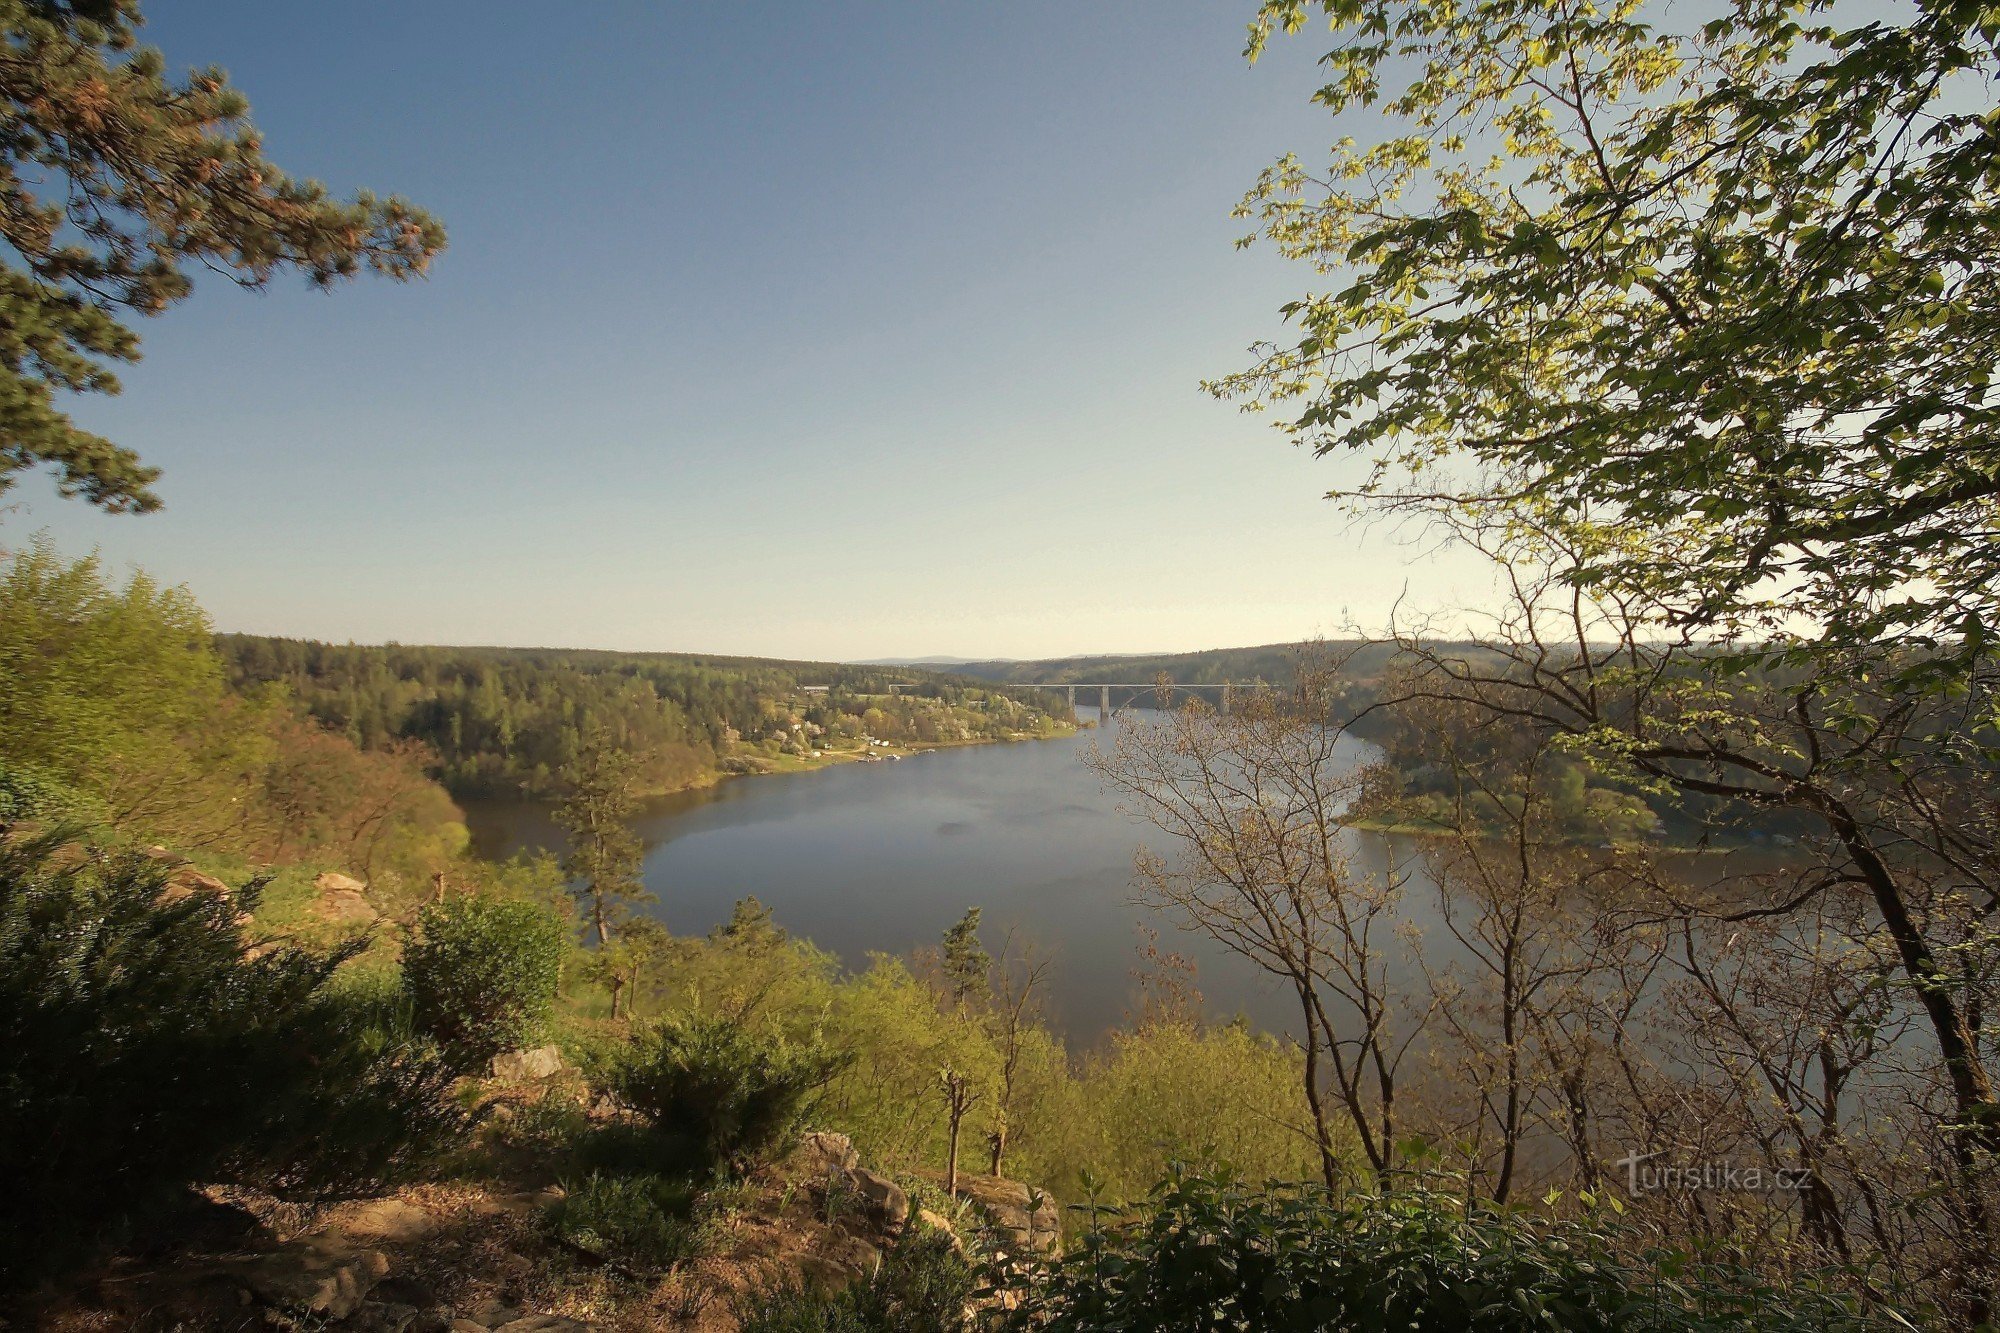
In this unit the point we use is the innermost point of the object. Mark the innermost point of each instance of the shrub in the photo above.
(718, 1095)
(641, 1222)
(482, 973)
(1211, 1253)
(922, 1286)
(29, 793)
(142, 1052)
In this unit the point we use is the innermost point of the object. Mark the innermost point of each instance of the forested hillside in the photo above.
(509, 719)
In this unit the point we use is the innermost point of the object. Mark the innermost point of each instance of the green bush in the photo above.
(29, 793)
(482, 973)
(718, 1095)
(1211, 1253)
(921, 1287)
(640, 1222)
(142, 1052)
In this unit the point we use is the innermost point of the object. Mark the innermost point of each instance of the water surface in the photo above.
(883, 857)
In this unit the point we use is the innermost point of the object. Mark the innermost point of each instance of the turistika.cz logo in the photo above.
(1646, 1175)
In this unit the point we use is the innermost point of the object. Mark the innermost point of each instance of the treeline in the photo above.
(117, 712)
(511, 719)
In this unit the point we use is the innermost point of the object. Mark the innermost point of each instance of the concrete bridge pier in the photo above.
(1222, 700)
(1103, 704)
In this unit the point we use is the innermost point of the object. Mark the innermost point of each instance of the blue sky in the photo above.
(807, 331)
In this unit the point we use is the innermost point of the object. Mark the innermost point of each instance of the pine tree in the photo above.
(965, 959)
(605, 854)
(144, 177)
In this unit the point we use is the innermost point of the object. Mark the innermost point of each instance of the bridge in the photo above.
(1105, 689)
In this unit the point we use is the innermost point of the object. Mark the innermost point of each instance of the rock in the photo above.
(930, 1221)
(545, 1323)
(186, 882)
(824, 1154)
(382, 1317)
(387, 1219)
(493, 1312)
(529, 1066)
(321, 1274)
(342, 900)
(1021, 1217)
(403, 1289)
(189, 1295)
(884, 1197)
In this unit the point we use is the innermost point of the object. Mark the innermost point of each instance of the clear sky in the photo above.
(827, 331)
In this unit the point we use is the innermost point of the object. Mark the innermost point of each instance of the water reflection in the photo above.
(883, 857)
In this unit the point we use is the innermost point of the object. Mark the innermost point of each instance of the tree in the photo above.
(623, 963)
(1730, 285)
(964, 960)
(144, 177)
(605, 856)
(1254, 800)
(1013, 1017)
(960, 1096)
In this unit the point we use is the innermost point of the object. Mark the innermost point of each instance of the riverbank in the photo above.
(1408, 828)
(877, 752)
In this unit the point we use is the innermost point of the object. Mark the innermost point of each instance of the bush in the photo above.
(1213, 1254)
(641, 1222)
(717, 1095)
(921, 1287)
(142, 1052)
(28, 793)
(482, 973)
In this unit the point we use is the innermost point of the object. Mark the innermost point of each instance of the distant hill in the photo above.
(914, 661)
(1274, 663)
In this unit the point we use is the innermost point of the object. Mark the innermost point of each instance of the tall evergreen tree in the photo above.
(605, 854)
(140, 176)
(965, 959)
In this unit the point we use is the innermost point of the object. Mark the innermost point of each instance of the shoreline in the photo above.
(785, 765)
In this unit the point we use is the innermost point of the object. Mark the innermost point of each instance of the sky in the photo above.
(829, 331)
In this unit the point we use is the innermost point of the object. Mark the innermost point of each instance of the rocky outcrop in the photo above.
(1020, 1219)
(544, 1062)
(326, 1275)
(343, 900)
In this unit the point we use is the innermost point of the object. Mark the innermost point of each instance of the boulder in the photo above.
(545, 1323)
(1023, 1219)
(824, 1154)
(529, 1066)
(322, 1274)
(884, 1197)
(342, 900)
(186, 882)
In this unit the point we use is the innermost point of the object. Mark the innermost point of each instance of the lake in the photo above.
(863, 858)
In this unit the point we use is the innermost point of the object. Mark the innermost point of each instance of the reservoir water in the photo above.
(882, 857)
